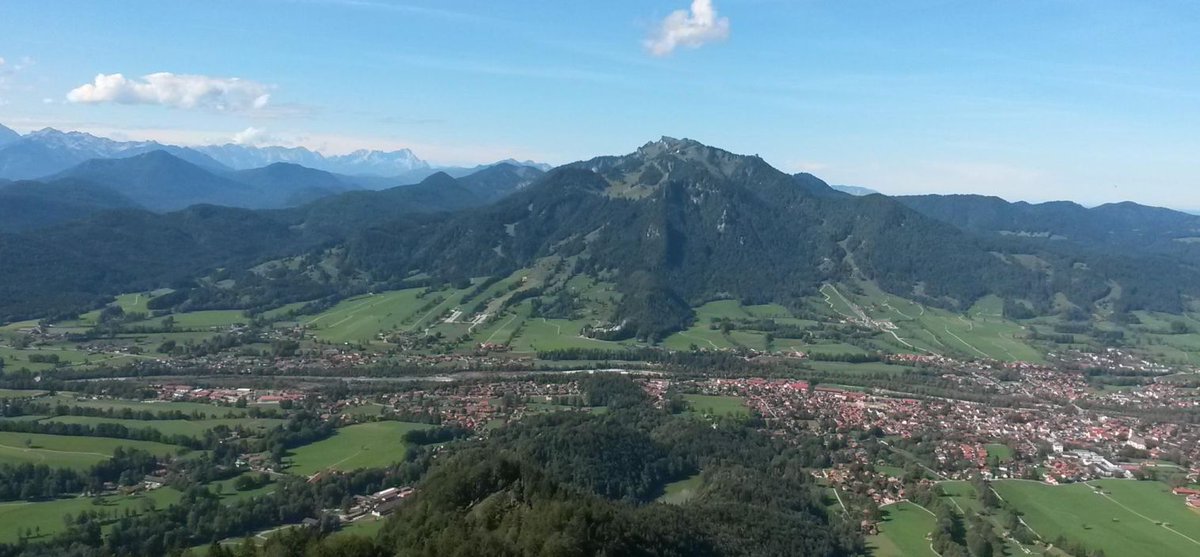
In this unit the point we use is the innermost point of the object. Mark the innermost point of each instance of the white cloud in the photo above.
(255, 136)
(176, 91)
(691, 28)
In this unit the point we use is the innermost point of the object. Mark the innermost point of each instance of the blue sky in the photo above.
(1092, 101)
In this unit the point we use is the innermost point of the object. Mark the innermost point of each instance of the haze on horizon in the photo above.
(1093, 102)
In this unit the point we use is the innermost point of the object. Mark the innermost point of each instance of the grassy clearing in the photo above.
(902, 532)
(366, 527)
(1124, 518)
(999, 450)
(682, 491)
(717, 405)
(67, 451)
(368, 445)
(230, 494)
(202, 319)
(48, 515)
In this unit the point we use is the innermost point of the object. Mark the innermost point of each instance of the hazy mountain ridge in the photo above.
(32, 205)
(1126, 227)
(74, 265)
(49, 151)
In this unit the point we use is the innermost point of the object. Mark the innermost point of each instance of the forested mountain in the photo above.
(78, 264)
(683, 223)
(160, 181)
(30, 205)
(674, 224)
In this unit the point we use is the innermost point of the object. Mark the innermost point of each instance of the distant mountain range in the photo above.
(158, 177)
(49, 151)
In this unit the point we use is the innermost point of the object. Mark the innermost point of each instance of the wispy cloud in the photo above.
(222, 94)
(691, 28)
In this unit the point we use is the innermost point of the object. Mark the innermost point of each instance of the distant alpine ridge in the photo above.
(361, 162)
(48, 152)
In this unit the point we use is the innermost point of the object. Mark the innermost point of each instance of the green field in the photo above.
(48, 515)
(717, 405)
(366, 527)
(368, 445)
(902, 532)
(13, 393)
(682, 491)
(363, 318)
(202, 320)
(191, 428)
(68, 451)
(981, 333)
(1128, 519)
(999, 450)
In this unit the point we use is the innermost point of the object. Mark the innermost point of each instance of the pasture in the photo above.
(46, 517)
(982, 332)
(1125, 518)
(363, 318)
(903, 532)
(67, 451)
(368, 445)
(709, 405)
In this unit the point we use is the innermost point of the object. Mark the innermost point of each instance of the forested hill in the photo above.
(31, 205)
(580, 484)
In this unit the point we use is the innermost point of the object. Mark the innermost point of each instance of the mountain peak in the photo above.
(670, 145)
(7, 135)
